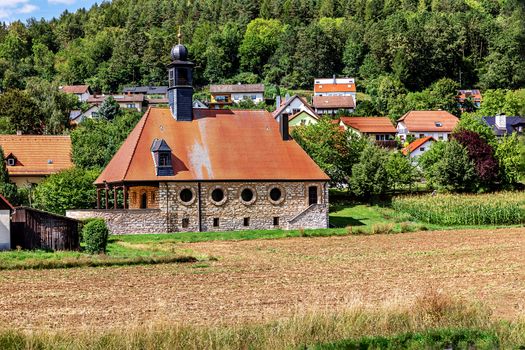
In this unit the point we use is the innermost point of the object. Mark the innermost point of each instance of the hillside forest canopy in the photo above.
(392, 47)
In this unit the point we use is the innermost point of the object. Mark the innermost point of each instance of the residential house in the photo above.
(30, 158)
(379, 129)
(473, 95)
(297, 109)
(420, 124)
(335, 87)
(148, 91)
(83, 92)
(199, 104)
(331, 105)
(503, 125)
(131, 101)
(418, 147)
(186, 169)
(76, 117)
(227, 95)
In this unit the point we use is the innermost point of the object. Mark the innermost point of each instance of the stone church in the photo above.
(186, 169)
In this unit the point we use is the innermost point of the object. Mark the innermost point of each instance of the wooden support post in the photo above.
(98, 198)
(106, 195)
(115, 197)
(125, 195)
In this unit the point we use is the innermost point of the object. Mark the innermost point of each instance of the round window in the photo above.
(275, 194)
(186, 195)
(247, 195)
(217, 195)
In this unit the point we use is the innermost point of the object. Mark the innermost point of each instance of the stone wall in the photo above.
(121, 222)
(174, 214)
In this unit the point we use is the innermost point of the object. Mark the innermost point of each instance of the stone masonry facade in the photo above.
(173, 214)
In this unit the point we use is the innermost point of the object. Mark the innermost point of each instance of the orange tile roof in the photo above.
(416, 144)
(319, 88)
(218, 145)
(426, 121)
(370, 124)
(75, 89)
(324, 102)
(464, 94)
(37, 155)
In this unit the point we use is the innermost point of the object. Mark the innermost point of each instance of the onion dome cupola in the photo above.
(180, 86)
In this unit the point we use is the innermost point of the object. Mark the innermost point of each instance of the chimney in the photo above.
(501, 121)
(335, 80)
(19, 132)
(283, 126)
(278, 101)
(286, 97)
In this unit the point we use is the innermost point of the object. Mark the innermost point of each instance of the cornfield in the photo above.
(504, 208)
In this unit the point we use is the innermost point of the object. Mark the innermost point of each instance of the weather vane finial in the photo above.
(179, 36)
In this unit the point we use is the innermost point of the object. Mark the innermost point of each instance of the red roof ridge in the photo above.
(145, 118)
(416, 144)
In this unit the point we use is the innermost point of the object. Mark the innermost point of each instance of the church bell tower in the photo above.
(180, 86)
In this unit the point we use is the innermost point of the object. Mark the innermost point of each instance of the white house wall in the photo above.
(5, 230)
(239, 96)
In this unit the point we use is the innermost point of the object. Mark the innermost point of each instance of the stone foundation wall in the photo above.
(123, 222)
(292, 211)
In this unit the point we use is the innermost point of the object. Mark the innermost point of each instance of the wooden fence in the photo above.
(35, 229)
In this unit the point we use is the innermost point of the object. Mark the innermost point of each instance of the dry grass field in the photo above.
(262, 280)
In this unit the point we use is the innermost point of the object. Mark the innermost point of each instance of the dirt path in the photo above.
(264, 279)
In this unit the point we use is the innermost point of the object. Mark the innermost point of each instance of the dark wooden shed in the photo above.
(36, 229)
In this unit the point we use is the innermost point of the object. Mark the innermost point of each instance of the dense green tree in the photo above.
(370, 176)
(510, 152)
(335, 151)
(7, 188)
(109, 109)
(18, 112)
(401, 170)
(260, 40)
(68, 189)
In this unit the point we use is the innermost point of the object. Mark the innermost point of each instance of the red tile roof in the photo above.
(429, 120)
(416, 144)
(464, 94)
(320, 88)
(218, 145)
(75, 89)
(327, 102)
(37, 155)
(370, 124)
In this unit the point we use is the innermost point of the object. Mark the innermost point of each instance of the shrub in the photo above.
(95, 234)
(378, 229)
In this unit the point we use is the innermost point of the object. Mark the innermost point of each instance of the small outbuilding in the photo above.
(36, 229)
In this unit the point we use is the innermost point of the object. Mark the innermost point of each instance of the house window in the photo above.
(438, 124)
(172, 77)
(254, 97)
(276, 195)
(164, 159)
(440, 137)
(422, 149)
(185, 222)
(312, 195)
(186, 195)
(11, 161)
(421, 136)
(275, 221)
(247, 195)
(215, 222)
(218, 196)
(246, 222)
(131, 105)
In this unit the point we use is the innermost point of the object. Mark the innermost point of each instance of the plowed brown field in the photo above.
(265, 279)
